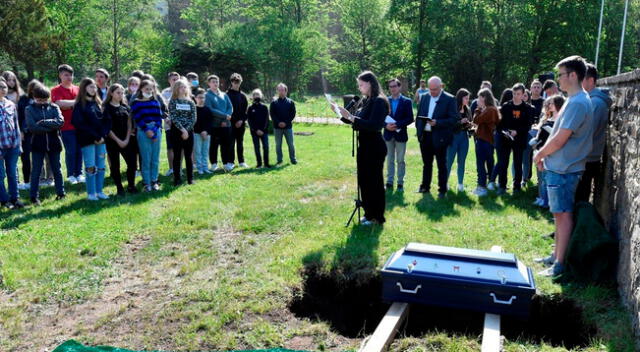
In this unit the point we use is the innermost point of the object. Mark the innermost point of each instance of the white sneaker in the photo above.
(72, 180)
(538, 201)
(101, 195)
(81, 179)
(491, 186)
(92, 197)
(138, 174)
(228, 167)
(200, 172)
(23, 186)
(169, 173)
(460, 187)
(208, 171)
(480, 192)
(50, 183)
(214, 168)
(243, 165)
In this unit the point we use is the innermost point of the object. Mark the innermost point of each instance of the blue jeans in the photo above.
(54, 162)
(264, 139)
(201, 151)
(542, 188)
(94, 156)
(459, 146)
(288, 135)
(562, 190)
(72, 153)
(9, 169)
(150, 155)
(484, 161)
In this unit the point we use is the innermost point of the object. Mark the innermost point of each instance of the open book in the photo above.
(334, 105)
(390, 120)
(427, 127)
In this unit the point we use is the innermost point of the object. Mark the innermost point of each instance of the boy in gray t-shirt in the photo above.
(564, 156)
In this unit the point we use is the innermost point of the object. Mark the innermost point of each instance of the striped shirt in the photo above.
(147, 115)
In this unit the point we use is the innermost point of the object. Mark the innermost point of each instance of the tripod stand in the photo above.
(358, 200)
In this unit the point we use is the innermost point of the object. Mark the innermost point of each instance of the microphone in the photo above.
(350, 106)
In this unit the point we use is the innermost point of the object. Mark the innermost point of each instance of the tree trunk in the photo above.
(420, 45)
(115, 58)
(30, 70)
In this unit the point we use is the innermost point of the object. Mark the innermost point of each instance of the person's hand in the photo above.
(149, 134)
(22, 134)
(121, 144)
(259, 133)
(203, 135)
(223, 124)
(345, 113)
(432, 122)
(185, 135)
(282, 125)
(513, 133)
(100, 141)
(228, 117)
(538, 160)
(464, 121)
(238, 123)
(391, 127)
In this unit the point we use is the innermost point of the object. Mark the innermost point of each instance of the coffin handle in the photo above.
(413, 292)
(499, 301)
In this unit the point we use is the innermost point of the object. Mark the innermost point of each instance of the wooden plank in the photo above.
(491, 332)
(387, 329)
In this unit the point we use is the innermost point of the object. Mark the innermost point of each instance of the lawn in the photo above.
(261, 258)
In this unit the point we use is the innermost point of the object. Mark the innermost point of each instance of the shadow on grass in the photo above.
(436, 209)
(395, 199)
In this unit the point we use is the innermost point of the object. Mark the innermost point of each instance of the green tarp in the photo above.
(74, 346)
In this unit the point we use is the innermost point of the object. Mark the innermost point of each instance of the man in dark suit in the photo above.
(437, 115)
(395, 134)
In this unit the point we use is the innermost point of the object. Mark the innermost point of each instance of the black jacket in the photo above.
(518, 118)
(258, 116)
(446, 115)
(44, 121)
(282, 110)
(240, 104)
(89, 123)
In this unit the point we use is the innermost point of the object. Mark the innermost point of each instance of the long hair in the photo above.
(489, 99)
(507, 95)
(143, 84)
(175, 91)
(376, 90)
(81, 99)
(8, 75)
(110, 91)
(30, 86)
(460, 96)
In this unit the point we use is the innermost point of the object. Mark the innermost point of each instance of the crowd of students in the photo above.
(96, 124)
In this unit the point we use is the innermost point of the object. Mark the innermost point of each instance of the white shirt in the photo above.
(432, 107)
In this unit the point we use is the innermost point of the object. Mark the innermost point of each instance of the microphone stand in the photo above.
(354, 153)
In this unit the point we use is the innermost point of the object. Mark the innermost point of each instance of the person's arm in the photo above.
(244, 105)
(555, 143)
(375, 122)
(32, 124)
(451, 116)
(292, 112)
(229, 106)
(55, 122)
(265, 127)
(209, 103)
(274, 113)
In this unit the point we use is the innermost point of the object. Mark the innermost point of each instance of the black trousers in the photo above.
(25, 158)
(130, 155)
(264, 139)
(237, 143)
(591, 172)
(221, 136)
(504, 148)
(371, 154)
(429, 152)
(179, 146)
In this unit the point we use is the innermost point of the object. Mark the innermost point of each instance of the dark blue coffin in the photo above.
(483, 281)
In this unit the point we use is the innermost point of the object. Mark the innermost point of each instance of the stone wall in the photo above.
(617, 194)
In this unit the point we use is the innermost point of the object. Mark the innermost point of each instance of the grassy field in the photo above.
(217, 265)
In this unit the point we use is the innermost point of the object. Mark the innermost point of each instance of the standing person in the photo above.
(369, 121)
(474, 103)
(283, 111)
(25, 136)
(460, 144)
(536, 101)
(202, 133)
(182, 112)
(422, 89)
(132, 88)
(601, 103)
(258, 117)
(511, 136)
(221, 108)
(550, 88)
(147, 114)
(15, 91)
(44, 121)
(64, 95)
(192, 77)
(238, 118)
(437, 116)
(102, 82)
(552, 107)
(486, 117)
(172, 78)
(91, 130)
(565, 154)
(119, 141)
(9, 149)
(395, 134)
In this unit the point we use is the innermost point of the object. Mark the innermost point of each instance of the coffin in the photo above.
(461, 278)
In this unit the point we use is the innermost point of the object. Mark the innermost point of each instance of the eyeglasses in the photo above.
(564, 73)
(4, 87)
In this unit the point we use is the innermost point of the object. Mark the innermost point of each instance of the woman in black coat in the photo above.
(369, 121)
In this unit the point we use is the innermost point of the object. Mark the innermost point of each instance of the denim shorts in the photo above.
(561, 189)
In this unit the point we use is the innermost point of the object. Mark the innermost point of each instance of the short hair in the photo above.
(148, 77)
(137, 73)
(40, 91)
(575, 64)
(172, 74)
(235, 77)
(436, 79)
(592, 72)
(549, 84)
(199, 91)
(65, 68)
(286, 89)
(212, 77)
(257, 91)
(423, 81)
(536, 81)
(519, 86)
(133, 79)
(395, 80)
(192, 75)
(486, 83)
(103, 71)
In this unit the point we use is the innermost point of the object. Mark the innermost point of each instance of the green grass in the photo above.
(236, 244)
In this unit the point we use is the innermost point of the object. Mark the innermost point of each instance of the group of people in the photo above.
(96, 123)
(562, 135)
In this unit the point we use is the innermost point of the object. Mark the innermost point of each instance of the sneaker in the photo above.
(7, 205)
(400, 188)
(81, 179)
(363, 219)
(155, 186)
(422, 190)
(243, 165)
(61, 196)
(23, 186)
(214, 168)
(228, 167)
(200, 172)
(72, 180)
(460, 187)
(538, 201)
(523, 184)
(546, 261)
(555, 270)
(294, 162)
(480, 191)
(389, 186)
(442, 195)
(146, 189)
(101, 195)
(138, 174)
(17, 204)
(491, 186)
(169, 173)
(35, 201)
(92, 197)
(44, 183)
